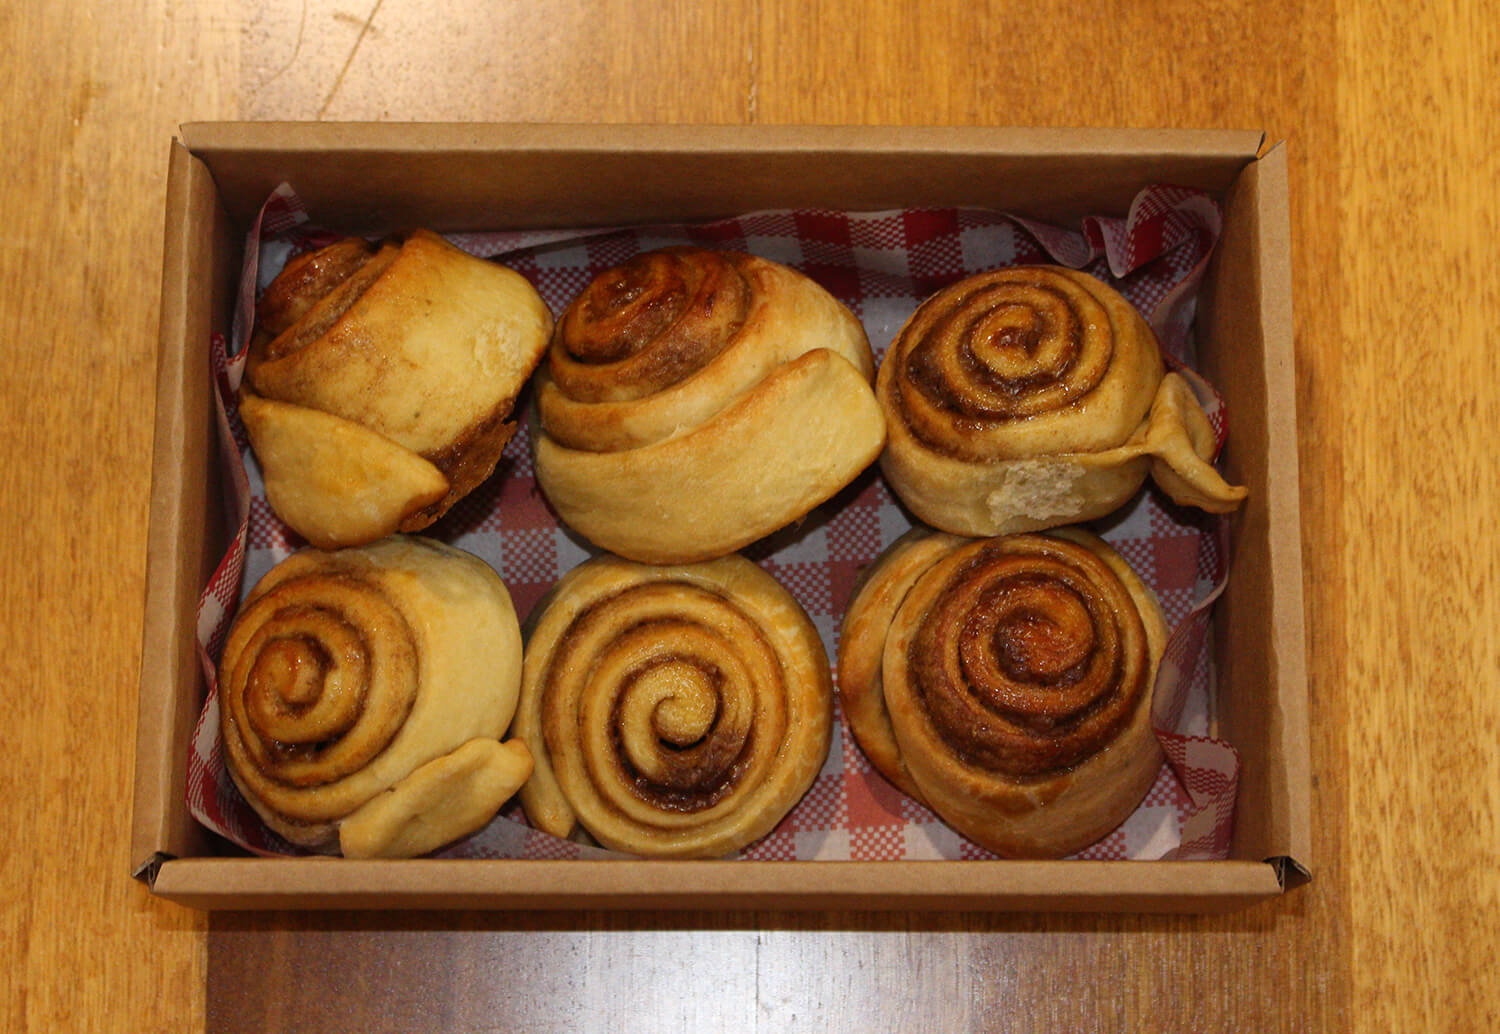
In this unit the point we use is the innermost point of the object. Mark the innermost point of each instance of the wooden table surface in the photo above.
(1392, 113)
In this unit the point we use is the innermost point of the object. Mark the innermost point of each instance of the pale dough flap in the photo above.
(1181, 443)
(804, 432)
(337, 483)
(443, 800)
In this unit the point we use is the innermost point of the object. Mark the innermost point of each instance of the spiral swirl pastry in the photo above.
(694, 401)
(1007, 683)
(1022, 398)
(371, 673)
(380, 383)
(673, 711)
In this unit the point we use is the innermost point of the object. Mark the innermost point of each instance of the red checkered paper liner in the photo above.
(880, 264)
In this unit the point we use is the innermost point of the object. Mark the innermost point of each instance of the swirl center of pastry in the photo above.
(291, 669)
(1020, 345)
(647, 325)
(686, 701)
(320, 679)
(1026, 658)
(680, 758)
(667, 702)
(627, 310)
(299, 687)
(1042, 636)
(981, 359)
(672, 699)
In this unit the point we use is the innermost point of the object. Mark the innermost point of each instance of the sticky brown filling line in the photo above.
(921, 371)
(657, 341)
(281, 751)
(307, 278)
(338, 297)
(682, 800)
(1048, 736)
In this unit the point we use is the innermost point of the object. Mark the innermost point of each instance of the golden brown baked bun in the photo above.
(673, 711)
(1007, 684)
(1032, 397)
(694, 401)
(380, 382)
(363, 694)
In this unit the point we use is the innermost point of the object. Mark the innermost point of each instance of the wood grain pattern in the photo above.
(1423, 486)
(1390, 113)
(87, 115)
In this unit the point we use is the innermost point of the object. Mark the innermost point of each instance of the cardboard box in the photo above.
(373, 178)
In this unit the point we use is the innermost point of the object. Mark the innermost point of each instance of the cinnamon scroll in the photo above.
(694, 401)
(363, 694)
(1033, 397)
(1007, 683)
(673, 711)
(380, 383)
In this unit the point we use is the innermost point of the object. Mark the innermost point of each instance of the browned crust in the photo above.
(466, 463)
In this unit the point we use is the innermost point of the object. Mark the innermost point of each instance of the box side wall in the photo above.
(186, 531)
(368, 179)
(1258, 630)
(915, 886)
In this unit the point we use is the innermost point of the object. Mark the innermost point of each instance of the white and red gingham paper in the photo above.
(881, 265)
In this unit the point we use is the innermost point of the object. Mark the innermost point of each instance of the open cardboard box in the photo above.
(373, 178)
